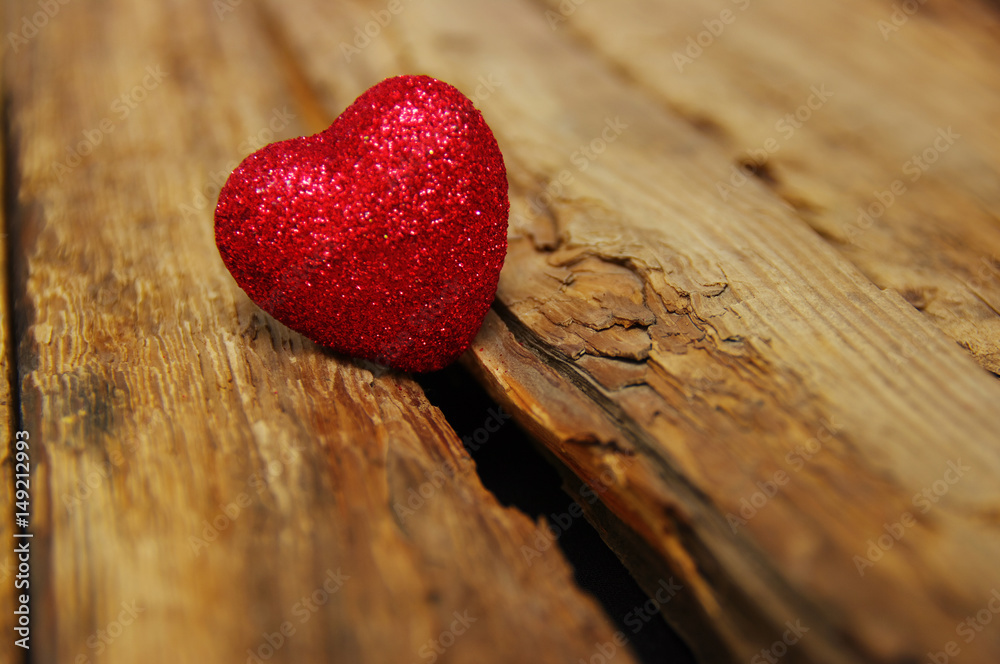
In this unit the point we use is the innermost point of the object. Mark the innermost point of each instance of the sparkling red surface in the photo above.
(381, 237)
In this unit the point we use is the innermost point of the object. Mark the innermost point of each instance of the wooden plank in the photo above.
(683, 354)
(885, 143)
(8, 561)
(210, 486)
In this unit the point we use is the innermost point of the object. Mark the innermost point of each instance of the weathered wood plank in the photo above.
(8, 561)
(684, 354)
(884, 142)
(211, 484)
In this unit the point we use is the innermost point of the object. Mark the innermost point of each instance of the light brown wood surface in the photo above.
(692, 347)
(757, 392)
(888, 79)
(208, 485)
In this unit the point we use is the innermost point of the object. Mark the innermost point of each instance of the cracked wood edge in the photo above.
(708, 344)
(8, 562)
(887, 94)
(200, 467)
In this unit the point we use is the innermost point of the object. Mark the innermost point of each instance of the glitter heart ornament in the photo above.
(382, 236)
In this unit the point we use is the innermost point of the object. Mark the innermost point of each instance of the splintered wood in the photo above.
(751, 301)
(210, 487)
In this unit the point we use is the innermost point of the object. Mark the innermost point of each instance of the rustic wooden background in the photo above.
(752, 302)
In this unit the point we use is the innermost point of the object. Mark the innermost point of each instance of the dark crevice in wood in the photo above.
(761, 171)
(8, 230)
(511, 466)
(13, 278)
(699, 528)
(564, 366)
(764, 173)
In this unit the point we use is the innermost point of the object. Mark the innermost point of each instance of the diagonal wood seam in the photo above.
(564, 602)
(10, 414)
(694, 526)
(762, 174)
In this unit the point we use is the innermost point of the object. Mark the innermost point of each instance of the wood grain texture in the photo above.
(683, 354)
(209, 485)
(759, 395)
(8, 406)
(849, 131)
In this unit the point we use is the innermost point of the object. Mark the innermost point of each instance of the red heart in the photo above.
(381, 237)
